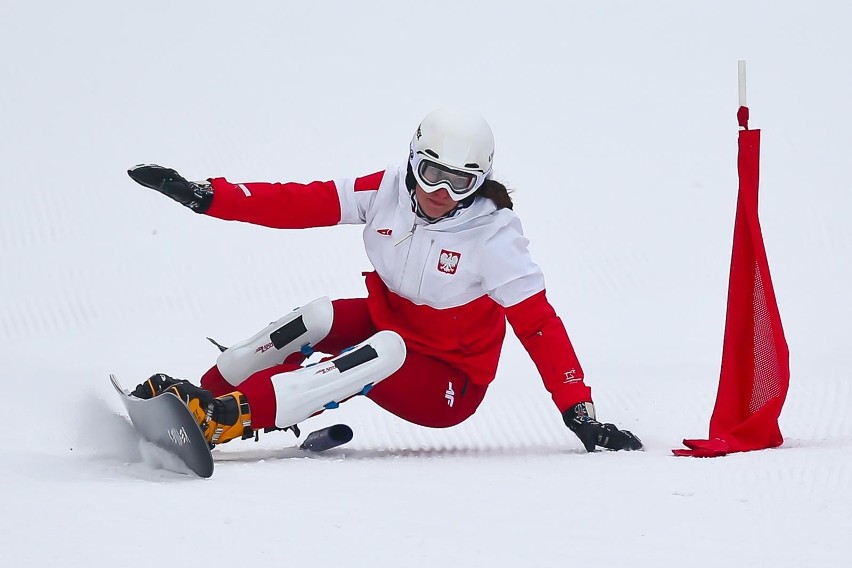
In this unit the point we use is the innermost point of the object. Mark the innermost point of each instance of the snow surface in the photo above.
(614, 120)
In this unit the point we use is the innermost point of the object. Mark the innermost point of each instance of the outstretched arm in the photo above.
(278, 205)
(544, 337)
(517, 283)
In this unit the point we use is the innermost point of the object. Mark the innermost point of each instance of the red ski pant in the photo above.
(425, 390)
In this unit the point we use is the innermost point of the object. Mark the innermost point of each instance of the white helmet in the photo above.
(454, 150)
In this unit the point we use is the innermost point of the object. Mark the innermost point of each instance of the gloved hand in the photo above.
(196, 195)
(580, 419)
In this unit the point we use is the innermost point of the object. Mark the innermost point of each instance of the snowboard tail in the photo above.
(166, 422)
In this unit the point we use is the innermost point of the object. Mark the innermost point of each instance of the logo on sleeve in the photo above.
(385, 232)
(571, 377)
(448, 262)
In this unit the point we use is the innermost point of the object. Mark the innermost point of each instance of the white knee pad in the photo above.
(270, 346)
(302, 393)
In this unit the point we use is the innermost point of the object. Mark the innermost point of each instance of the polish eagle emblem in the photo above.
(448, 261)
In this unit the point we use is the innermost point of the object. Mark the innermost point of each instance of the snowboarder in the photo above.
(451, 266)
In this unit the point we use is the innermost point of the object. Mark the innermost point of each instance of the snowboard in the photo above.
(166, 422)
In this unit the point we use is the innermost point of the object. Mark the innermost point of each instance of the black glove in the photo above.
(580, 419)
(197, 196)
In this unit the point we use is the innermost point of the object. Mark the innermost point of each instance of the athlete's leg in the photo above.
(351, 324)
(424, 390)
(288, 394)
(428, 392)
(324, 326)
(297, 331)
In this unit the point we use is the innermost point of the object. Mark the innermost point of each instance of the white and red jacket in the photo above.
(446, 287)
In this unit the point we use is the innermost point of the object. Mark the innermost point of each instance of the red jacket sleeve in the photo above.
(277, 205)
(544, 337)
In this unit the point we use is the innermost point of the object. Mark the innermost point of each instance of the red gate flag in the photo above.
(755, 360)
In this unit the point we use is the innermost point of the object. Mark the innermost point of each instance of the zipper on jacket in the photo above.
(406, 237)
(407, 255)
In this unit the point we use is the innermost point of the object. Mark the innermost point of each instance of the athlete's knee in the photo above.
(303, 392)
(297, 331)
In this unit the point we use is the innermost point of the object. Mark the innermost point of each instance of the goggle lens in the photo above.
(434, 174)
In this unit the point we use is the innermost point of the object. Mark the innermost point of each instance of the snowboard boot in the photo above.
(153, 385)
(221, 419)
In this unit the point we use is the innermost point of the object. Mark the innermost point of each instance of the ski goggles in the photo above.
(433, 176)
